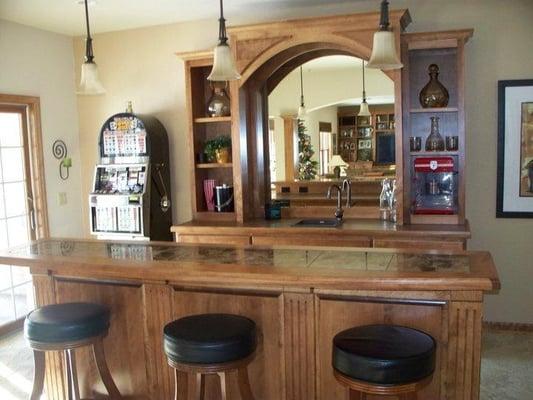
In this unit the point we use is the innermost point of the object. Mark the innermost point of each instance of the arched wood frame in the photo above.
(264, 54)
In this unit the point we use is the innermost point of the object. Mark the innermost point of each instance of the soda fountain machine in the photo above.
(435, 190)
(130, 197)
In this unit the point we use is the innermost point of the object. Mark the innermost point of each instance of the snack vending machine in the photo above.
(434, 186)
(130, 197)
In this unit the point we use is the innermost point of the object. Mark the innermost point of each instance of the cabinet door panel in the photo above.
(124, 346)
(214, 239)
(267, 369)
(336, 315)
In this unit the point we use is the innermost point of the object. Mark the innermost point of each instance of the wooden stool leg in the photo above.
(244, 384)
(38, 375)
(72, 374)
(181, 388)
(200, 386)
(223, 385)
(107, 379)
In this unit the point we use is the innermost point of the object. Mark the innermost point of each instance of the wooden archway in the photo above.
(264, 54)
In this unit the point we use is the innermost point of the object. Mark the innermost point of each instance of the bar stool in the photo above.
(209, 344)
(383, 360)
(65, 327)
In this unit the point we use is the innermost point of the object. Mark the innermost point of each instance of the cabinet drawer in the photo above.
(312, 240)
(214, 239)
(419, 244)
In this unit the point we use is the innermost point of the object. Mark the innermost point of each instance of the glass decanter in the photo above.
(434, 94)
(434, 142)
(219, 103)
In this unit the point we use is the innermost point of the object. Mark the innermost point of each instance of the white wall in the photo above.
(139, 65)
(39, 63)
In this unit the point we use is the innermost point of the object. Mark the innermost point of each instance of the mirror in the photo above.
(307, 155)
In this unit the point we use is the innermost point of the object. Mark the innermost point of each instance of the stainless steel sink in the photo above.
(319, 223)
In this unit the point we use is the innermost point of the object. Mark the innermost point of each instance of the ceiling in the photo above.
(67, 16)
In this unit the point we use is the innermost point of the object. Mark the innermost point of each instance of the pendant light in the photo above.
(384, 54)
(301, 110)
(90, 83)
(224, 68)
(363, 108)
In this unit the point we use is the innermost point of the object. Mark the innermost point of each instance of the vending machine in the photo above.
(434, 186)
(130, 197)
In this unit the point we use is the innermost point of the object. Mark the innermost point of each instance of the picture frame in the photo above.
(514, 197)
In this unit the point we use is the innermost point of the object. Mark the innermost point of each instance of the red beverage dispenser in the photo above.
(434, 186)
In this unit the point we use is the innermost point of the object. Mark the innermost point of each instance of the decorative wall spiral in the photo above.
(60, 151)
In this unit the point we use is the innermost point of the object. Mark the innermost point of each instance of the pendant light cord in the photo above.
(384, 18)
(89, 55)
(222, 36)
(364, 91)
(301, 87)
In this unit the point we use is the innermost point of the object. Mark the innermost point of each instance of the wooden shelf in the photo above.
(385, 130)
(214, 165)
(214, 216)
(434, 153)
(433, 110)
(208, 120)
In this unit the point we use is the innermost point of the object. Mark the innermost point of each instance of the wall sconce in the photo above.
(59, 149)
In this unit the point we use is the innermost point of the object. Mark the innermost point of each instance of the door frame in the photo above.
(30, 106)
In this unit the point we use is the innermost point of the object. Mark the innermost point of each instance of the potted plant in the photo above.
(218, 149)
(529, 168)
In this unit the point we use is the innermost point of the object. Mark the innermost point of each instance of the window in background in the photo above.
(325, 145)
(272, 148)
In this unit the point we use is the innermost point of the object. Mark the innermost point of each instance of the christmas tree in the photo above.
(307, 168)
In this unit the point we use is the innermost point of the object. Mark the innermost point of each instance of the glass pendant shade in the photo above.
(384, 55)
(224, 68)
(90, 83)
(363, 110)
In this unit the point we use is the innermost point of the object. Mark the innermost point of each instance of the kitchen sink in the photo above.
(319, 223)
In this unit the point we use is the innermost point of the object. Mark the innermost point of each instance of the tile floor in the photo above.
(506, 370)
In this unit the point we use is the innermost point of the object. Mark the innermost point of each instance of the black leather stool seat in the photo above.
(384, 354)
(66, 322)
(209, 339)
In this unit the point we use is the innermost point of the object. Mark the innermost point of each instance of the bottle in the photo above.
(393, 213)
(435, 142)
(384, 197)
(434, 94)
(129, 107)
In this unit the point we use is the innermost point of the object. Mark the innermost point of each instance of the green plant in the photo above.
(529, 165)
(211, 146)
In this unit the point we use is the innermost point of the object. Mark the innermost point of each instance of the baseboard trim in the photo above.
(508, 326)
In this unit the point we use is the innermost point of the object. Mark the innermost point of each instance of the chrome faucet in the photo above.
(347, 186)
(339, 211)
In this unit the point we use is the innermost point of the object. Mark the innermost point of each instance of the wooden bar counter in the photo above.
(300, 297)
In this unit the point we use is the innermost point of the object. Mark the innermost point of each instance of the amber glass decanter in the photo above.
(435, 142)
(434, 94)
(219, 103)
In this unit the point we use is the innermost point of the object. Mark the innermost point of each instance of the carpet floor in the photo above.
(506, 367)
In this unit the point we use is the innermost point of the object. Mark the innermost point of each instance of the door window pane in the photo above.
(15, 199)
(10, 134)
(12, 164)
(17, 230)
(20, 275)
(7, 311)
(24, 301)
(5, 277)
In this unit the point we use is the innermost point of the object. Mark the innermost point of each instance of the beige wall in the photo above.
(139, 65)
(39, 63)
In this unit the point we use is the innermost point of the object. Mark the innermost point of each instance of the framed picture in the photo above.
(515, 149)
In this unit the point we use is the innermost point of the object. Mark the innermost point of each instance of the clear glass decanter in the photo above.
(435, 142)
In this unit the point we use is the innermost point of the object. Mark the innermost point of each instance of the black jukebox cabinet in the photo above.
(130, 197)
